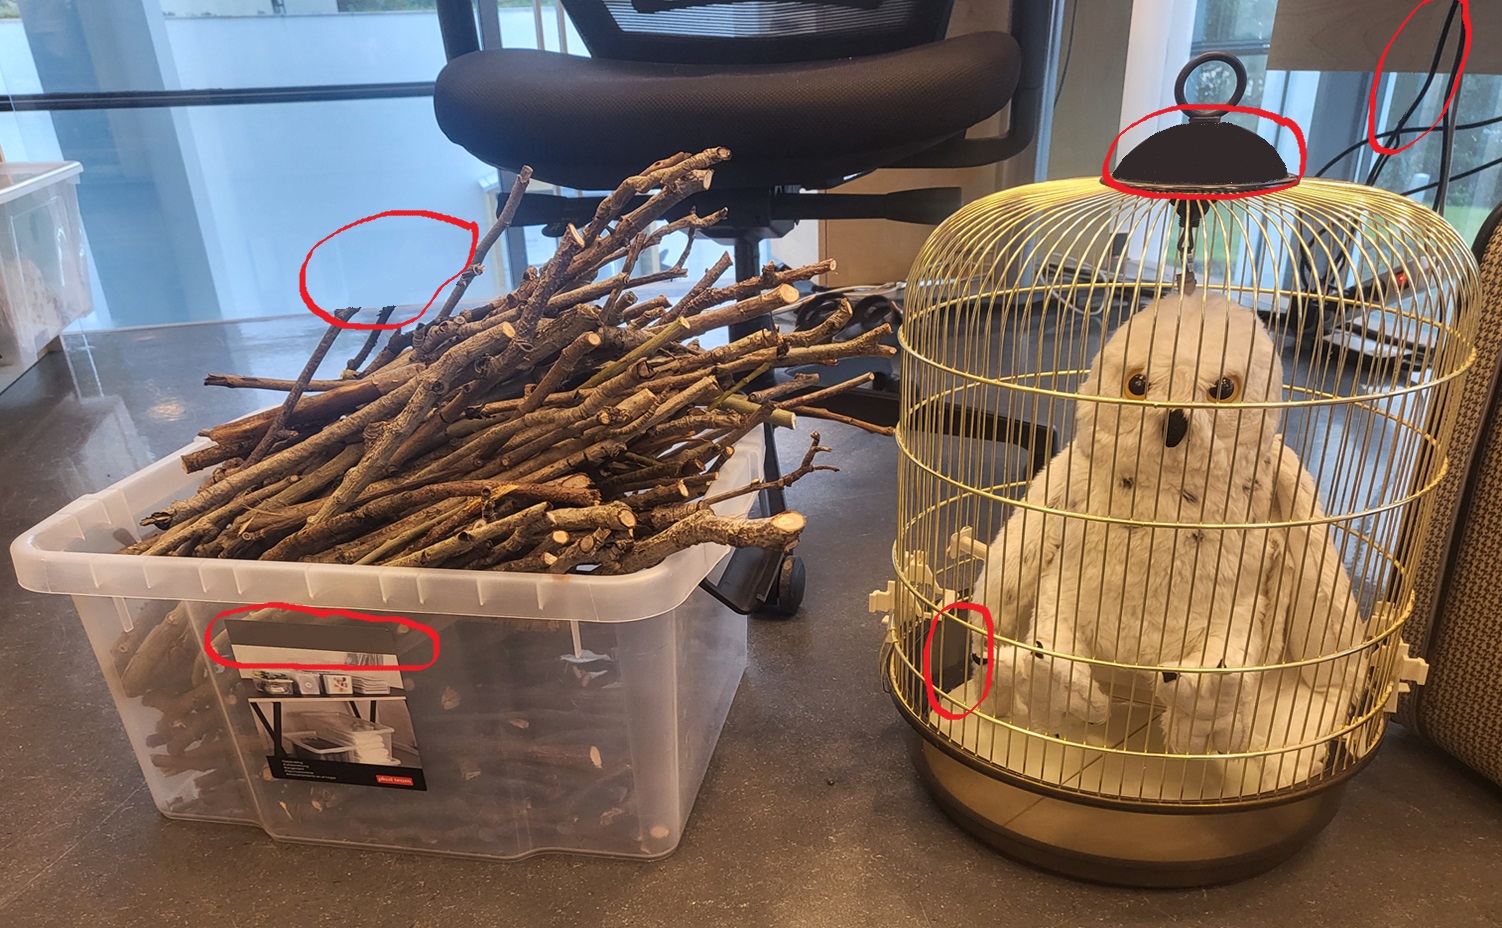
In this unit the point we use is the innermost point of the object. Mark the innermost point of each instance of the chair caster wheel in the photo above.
(791, 579)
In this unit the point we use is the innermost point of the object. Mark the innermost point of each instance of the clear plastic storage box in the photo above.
(44, 278)
(564, 713)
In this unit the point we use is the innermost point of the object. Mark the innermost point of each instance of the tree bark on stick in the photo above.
(610, 429)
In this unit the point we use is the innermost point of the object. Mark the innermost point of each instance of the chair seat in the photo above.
(588, 122)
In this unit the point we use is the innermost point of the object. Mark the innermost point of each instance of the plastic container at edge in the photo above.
(521, 750)
(44, 273)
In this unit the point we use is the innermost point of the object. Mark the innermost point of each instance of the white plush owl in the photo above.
(1168, 431)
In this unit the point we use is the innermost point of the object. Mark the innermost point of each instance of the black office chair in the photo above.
(806, 94)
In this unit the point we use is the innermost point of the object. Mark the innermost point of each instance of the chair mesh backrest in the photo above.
(754, 31)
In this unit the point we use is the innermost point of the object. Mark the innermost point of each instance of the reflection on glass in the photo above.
(1234, 20)
(200, 44)
(202, 213)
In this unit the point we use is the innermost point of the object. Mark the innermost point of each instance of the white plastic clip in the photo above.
(963, 543)
(882, 600)
(1414, 669)
(1410, 671)
(916, 568)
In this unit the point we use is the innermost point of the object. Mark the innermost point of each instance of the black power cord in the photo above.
(1461, 176)
(1439, 51)
(1450, 127)
(1068, 51)
(1409, 131)
(1447, 144)
(1309, 276)
(1392, 135)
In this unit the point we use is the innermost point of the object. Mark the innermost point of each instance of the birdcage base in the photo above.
(1121, 846)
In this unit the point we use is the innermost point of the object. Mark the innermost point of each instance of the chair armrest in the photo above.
(456, 21)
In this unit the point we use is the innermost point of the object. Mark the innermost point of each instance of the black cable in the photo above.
(1461, 176)
(1447, 137)
(1439, 53)
(1409, 131)
(1068, 51)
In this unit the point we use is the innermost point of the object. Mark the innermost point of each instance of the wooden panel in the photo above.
(1088, 111)
(873, 251)
(878, 251)
(1349, 35)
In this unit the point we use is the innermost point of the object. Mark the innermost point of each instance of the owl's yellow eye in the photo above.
(1136, 384)
(1225, 390)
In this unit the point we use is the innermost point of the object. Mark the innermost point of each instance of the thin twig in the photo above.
(782, 418)
(711, 275)
(799, 382)
(769, 279)
(502, 222)
(644, 350)
(352, 366)
(568, 359)
(274, 430)
(740, 385)
(819, 396)
(802, 470)
(818, 413)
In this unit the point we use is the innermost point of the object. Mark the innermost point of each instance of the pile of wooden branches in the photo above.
(567, 423)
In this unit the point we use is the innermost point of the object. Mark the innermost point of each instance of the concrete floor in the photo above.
(810, 814)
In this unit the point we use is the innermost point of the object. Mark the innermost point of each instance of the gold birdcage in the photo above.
(1170, 440)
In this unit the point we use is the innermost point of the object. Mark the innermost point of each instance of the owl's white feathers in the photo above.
(1118, 579)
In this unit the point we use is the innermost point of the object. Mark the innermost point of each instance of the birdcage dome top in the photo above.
(1205, 156)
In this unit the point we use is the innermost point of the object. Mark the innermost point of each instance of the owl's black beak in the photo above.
(1175, 427)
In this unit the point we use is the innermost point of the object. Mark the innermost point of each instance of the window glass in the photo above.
(1214, 83)
(1471, 198)
(1234, 20)
(303, 7)
(1245, 28)
(204, 44)
(205, 212)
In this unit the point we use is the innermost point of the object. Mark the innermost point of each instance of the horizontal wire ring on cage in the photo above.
(1369, 643)
(1417, 494)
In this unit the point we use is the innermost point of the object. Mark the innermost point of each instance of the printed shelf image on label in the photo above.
(347, 726)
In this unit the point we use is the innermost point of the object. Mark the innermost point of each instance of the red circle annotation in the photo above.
(1284, 121)
(208, 639)
(1371, 108)
(302, 275)
(928, 670)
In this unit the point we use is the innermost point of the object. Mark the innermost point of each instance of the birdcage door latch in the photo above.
(1408, 672)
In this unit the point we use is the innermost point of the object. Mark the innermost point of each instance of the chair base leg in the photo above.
(761, 582)
(773, 498)
(747, 265)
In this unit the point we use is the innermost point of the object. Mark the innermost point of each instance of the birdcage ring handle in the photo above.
(1194, 63)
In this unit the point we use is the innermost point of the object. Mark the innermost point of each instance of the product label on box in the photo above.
(320, 713)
